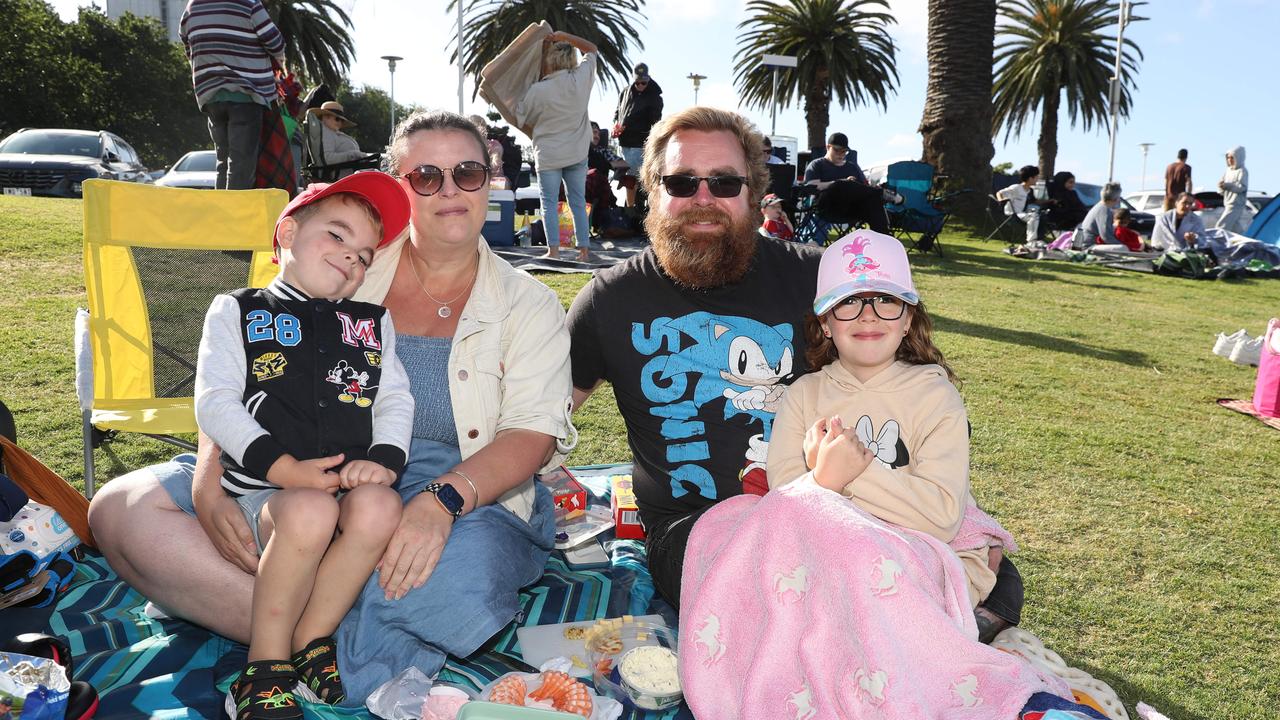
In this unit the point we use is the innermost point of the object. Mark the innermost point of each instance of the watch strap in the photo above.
(435, 489)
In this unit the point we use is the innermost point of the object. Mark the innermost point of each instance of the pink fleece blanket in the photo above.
(800, 605)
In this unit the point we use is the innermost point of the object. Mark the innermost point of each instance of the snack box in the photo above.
(626, 515)
(569, 495)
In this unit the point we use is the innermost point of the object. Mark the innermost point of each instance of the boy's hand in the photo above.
(841, 457)
(365, 472)
(288, 472)
(812, 441)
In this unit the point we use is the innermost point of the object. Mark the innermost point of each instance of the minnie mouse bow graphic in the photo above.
(887, 447)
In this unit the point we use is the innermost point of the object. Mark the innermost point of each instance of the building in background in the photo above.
(168, 12)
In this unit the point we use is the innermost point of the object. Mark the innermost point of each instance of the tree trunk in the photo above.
(817, 108)
(1047, 145)
(956, 126)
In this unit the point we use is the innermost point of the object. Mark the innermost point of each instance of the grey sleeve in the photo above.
(220, 381)
(392, 407)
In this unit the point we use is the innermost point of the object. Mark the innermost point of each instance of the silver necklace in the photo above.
(444, 310)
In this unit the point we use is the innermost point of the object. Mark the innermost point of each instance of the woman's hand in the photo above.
(219, 514)
(415, 547)
(841, 457)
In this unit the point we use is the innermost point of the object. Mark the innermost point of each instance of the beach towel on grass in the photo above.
(799, 604)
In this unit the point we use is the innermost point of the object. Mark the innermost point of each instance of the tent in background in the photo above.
(1266, 224)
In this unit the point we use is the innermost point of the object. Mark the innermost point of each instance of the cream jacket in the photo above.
(509, 363)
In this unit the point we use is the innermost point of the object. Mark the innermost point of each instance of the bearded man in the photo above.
(700, 333)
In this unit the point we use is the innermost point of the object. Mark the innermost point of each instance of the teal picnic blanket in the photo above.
(159, 667)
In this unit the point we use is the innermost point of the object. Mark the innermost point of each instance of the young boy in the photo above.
(301, 388)
(776, 224)
(1124, 235)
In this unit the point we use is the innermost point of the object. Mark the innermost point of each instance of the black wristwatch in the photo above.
(448, 498)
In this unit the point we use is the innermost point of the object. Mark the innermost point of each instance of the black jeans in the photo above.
(668, 539)
(236, 128)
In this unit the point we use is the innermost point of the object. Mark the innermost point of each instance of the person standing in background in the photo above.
(639, 107)
(1234, 187)
(1177, 179)
(232, 46)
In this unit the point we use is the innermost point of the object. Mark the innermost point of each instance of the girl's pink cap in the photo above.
(863, 261)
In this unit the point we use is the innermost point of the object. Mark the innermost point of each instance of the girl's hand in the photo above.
(415, 546)
(841, 457)
(812, 440)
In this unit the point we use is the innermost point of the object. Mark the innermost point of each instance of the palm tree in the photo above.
(491, 25)
(956, 126)
(1050, 46)
(316, 40)
(842, 48)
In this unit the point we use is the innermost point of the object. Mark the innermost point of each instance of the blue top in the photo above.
(426, 362)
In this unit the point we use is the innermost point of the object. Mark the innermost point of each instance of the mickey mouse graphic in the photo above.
(354, 383)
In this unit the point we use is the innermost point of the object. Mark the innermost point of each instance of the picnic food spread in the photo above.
(650, 669)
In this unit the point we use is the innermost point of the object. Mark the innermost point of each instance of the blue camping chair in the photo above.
(918, 219)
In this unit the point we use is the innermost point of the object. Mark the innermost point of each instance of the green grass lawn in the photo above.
(1148, 516)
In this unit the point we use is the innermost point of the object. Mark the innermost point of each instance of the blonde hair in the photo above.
(917, 347)
(707, 119)
(559, 56)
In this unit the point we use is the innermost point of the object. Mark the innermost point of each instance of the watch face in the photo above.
(450, 498)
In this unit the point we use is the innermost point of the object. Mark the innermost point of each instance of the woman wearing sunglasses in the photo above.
(556, 108)
(487, 356)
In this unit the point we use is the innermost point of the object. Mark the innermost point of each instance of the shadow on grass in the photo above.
(961, 260)
(1038, 340)
(1135, 694)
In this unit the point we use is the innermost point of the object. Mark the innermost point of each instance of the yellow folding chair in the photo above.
(154, 257)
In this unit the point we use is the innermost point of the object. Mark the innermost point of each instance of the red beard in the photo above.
(705, 259)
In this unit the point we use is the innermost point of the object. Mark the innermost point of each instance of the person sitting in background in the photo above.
(1126, 236)
(1098, 222)
(1022, 202)
(769, 157)
(494, 145)
(839, 163)
(337, 146)
(1180, 228)
(776, 223)
(1067, 209)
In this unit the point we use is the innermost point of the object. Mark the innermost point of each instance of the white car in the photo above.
(197, 169)
(1153, 200)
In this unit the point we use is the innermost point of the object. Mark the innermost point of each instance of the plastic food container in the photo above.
(626, 662)
(477, 710)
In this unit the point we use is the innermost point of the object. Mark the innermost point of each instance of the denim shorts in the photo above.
(176, 476)
(634, 158)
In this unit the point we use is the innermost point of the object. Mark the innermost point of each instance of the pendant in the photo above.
(444, 311)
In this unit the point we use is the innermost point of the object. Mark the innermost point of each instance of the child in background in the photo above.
(1124, 235)
(301, 388)
(881, 422)
(776, 223)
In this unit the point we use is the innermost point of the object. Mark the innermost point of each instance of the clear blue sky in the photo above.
(1205, 83)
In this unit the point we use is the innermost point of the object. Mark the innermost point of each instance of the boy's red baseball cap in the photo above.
(380, 189)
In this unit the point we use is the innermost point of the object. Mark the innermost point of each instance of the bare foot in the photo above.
(584, 254)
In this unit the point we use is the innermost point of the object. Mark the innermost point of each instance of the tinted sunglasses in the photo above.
(469, 176)
(721, 186)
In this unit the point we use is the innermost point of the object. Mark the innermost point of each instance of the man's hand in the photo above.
(219, 514)
(841, 457)
(287, 472)
(364, 472)
(415, 546)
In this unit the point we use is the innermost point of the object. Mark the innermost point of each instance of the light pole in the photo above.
(1145, 147)
(776, 61)
(1115, 88)
(391, 65)
(697, 81)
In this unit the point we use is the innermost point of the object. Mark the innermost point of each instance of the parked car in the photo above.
(55, 162)
(1211, 201)
(197, 169)
(1141, 221)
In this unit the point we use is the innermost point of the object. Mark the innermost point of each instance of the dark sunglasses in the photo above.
(721, 186)
(469, 176)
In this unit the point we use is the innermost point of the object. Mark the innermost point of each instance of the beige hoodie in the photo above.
(914, 421)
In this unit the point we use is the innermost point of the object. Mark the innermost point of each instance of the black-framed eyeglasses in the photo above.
(721, 186)
(886, 307)
(468, 175)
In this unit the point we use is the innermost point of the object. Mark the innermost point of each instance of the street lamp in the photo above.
(776, 61)
(697, 81)
(1116, 85)
(1145, 147)
(391, 64)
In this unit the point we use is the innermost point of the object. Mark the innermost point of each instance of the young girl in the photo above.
(776, 223)
(881, 421)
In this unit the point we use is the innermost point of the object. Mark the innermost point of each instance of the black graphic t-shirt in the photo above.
(697, 373)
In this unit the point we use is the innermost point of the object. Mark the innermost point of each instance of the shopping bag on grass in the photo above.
(567, 238)
(1266, 393)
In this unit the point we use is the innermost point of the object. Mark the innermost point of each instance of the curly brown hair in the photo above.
(917, 347)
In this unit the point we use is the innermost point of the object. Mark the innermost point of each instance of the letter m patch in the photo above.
(357, 332)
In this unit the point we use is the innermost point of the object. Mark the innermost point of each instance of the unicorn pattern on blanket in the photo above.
(871, 685)
(708, 636)
(797, 582)
(965, 689)
(802, 701)
(884, 576)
